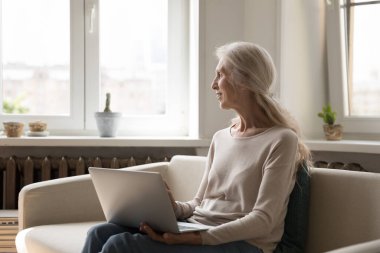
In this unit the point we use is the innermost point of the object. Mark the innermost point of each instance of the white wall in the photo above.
(303, 62)
(261, 25)
(223, 23)
(293, 32)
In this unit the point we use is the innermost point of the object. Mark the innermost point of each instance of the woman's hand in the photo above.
(169, 238)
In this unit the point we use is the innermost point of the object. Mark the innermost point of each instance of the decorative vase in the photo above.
(333, 132)
(107, 123)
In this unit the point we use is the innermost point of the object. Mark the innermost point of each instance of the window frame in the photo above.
(85, 83)
(75, 120)
(175, 121)
(338, 77)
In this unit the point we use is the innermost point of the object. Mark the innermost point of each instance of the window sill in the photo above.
(354, 146)
(94, 141)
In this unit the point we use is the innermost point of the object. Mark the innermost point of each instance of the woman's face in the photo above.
(225, 92)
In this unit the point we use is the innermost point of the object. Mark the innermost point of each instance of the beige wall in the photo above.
(292, 31)
(223, 23)
(303, 62)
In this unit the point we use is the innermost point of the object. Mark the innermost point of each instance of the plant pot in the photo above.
(13, 129)
(333, 132)
(108, 123)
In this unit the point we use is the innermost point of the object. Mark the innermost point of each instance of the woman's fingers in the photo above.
(151, 233)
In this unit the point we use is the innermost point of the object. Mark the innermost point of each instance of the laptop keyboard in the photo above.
(185, 228)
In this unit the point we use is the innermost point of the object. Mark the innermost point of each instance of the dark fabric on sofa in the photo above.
(296, 220)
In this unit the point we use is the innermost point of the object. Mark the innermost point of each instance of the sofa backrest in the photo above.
(344, 209)
(344, 205)
(184, 175)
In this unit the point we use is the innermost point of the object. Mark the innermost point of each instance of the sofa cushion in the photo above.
(365, 247)
(344, 209)
(57, 238)
(296, 220)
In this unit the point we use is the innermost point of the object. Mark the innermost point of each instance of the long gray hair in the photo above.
(252, 67)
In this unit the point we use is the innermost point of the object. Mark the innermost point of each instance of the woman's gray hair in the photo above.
(251, 66)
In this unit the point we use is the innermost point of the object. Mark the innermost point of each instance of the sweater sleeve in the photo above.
(270, 207)
(185, 209)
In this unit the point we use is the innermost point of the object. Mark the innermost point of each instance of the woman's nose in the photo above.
(214, 85)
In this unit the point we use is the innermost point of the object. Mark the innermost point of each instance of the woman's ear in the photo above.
(244, 89)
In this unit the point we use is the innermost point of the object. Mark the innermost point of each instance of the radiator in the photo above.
(21, 171)
(339, 165)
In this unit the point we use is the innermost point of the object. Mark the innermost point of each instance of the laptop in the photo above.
(131, 197)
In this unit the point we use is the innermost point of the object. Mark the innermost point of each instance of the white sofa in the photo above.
(54, 215)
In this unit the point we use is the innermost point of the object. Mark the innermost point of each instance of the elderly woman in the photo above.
(251, 170)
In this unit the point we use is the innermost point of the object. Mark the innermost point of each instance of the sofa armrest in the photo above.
(366, 247)
(65, 200)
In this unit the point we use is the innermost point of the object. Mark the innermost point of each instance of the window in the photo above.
(362, 18)
(41, 56)
(354, 63)
(39, 68)
(60, 57)
(134, 68)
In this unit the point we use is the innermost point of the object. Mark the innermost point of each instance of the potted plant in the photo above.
(107, 121)
(332, 131)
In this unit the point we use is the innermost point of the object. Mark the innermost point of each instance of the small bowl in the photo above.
(13, 129)
(37, 126)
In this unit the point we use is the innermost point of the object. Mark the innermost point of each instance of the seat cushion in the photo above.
(344, 209)
(57, 238)
(366, 247)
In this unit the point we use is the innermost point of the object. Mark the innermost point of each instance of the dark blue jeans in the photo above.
(111, 238)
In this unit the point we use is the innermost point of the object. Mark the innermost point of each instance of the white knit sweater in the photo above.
(245, 189)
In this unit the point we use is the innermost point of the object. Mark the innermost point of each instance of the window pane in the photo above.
(365, 85)
(35, 55)
(133, 55)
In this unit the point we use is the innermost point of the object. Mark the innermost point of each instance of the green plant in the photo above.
(327, 115)
(108, 102)
(15, 106)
